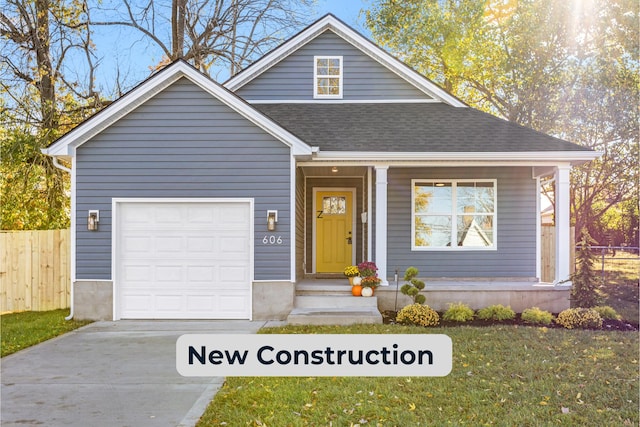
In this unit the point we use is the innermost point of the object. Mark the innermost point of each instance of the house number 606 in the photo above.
(272, 240)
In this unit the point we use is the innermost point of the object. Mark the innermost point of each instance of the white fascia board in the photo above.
(65, 146)
(524, 157)
(330, 22)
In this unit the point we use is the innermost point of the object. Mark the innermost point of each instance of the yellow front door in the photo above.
(334, 232)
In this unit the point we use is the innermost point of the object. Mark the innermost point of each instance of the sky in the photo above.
(126, 51)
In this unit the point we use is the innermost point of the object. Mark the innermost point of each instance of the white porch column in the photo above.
(563, 256)
(381, 223)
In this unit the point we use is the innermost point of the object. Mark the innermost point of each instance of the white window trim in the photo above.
(454, 224)
(316, 76)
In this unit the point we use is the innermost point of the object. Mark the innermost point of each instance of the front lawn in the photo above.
(22, 330)
(502, 375)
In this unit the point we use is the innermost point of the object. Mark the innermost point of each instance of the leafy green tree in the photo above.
(568, 68)
(34, 193)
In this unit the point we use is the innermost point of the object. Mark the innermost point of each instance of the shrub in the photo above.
(607, 312)
(537, 316)
(414, 286)
(458, 312)
(496, 312)
(586, 291)
(418, 314)
(583, 318)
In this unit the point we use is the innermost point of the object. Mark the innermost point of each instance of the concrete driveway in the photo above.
(110, 374)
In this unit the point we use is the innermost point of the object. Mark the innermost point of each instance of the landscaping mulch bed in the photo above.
(389, 317)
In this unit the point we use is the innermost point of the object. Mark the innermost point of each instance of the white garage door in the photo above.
(183, 260)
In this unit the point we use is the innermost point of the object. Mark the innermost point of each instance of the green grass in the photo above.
(502, 375)
(622, 267)
(621, 277)
(22, 330)
(624, 297)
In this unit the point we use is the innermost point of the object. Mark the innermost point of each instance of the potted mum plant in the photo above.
(369, 284)
(367, 269)
(370, 280)
(351, 272)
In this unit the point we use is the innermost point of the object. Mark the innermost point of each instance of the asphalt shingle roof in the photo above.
(408, 127)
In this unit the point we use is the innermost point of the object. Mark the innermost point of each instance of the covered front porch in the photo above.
(379, 224)
(379, 214)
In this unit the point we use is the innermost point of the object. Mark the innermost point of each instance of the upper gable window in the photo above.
(327, 76)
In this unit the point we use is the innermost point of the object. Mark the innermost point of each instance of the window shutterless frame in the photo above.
(455, 215)
(327, 77)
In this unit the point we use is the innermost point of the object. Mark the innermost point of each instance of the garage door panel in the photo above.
(234, 275)
(201, 303)
(184, 260)
(232, 303)
(136, 243)
(202, 274)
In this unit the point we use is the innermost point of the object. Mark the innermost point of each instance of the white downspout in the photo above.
(60, 166)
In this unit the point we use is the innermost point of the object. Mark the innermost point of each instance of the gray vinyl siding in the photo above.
(183, 143)
(364, 78)
(516, 226)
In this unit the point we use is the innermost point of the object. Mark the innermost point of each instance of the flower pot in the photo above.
(366, 292)
(356, 290)
(351, 280)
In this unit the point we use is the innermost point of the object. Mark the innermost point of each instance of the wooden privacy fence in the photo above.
(548, 252)
(35, 271)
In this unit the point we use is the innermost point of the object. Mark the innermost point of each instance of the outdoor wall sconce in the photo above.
(272, 219)
(364, 216)
(92, 220)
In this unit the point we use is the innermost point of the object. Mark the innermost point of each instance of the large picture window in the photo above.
(453, 214)
(327, 73)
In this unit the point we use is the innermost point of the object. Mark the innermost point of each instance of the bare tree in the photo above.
(39, 63)
(42, 95)
(209, 33)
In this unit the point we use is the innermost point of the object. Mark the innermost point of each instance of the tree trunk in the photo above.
(177, 29)
(46, 83)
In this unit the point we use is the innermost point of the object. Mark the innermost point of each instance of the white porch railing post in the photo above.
(563, 247)
(381, 223)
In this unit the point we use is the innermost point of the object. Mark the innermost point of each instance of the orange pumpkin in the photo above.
(356, 290)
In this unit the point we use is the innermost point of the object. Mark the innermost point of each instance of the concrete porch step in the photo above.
(329, 302)
(334, 301)
(334, 315)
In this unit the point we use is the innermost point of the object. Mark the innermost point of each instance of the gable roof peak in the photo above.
(158, 81)
(362, 43)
